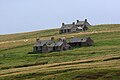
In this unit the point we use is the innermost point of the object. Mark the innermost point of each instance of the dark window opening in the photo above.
(65, 30)
(54, 48)
(36, 48)
(80, 44)
(68, 30)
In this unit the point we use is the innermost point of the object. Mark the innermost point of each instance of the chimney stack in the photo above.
(60, 39)
(85, 20)
(52, 38)
(73, 23)
(37, 39)
(77, 21)
(63, 24)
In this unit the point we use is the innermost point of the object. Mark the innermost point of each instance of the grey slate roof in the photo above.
(49, 43)
(80, 23)
(67, 26)
(43, 42)
(77, 40)
(58, 43)
(70, 26)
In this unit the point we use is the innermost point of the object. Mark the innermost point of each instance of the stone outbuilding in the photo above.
(81, 42)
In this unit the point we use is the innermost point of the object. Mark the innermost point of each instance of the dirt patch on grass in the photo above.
(113, 58)
(72, 63)
(26, 65)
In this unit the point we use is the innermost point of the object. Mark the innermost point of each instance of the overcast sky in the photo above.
(29, 15)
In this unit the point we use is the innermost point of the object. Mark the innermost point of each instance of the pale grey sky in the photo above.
(29, 15)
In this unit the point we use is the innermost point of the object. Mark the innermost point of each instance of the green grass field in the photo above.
(98, 62)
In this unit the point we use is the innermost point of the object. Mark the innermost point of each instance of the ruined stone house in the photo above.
(45, 46)
(81, 42)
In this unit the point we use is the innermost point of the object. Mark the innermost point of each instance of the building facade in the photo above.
(81, 42)
(74, 27)
(45, 46)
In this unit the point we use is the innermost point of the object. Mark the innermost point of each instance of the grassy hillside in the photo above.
(101, 61)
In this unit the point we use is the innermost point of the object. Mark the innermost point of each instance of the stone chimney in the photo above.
(60, 39)
(77, 21)
(73, 23)
(37, 39)
(63, 24)
(85, 20)
(52, 38)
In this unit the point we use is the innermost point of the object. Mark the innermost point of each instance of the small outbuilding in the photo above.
(80, 42)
